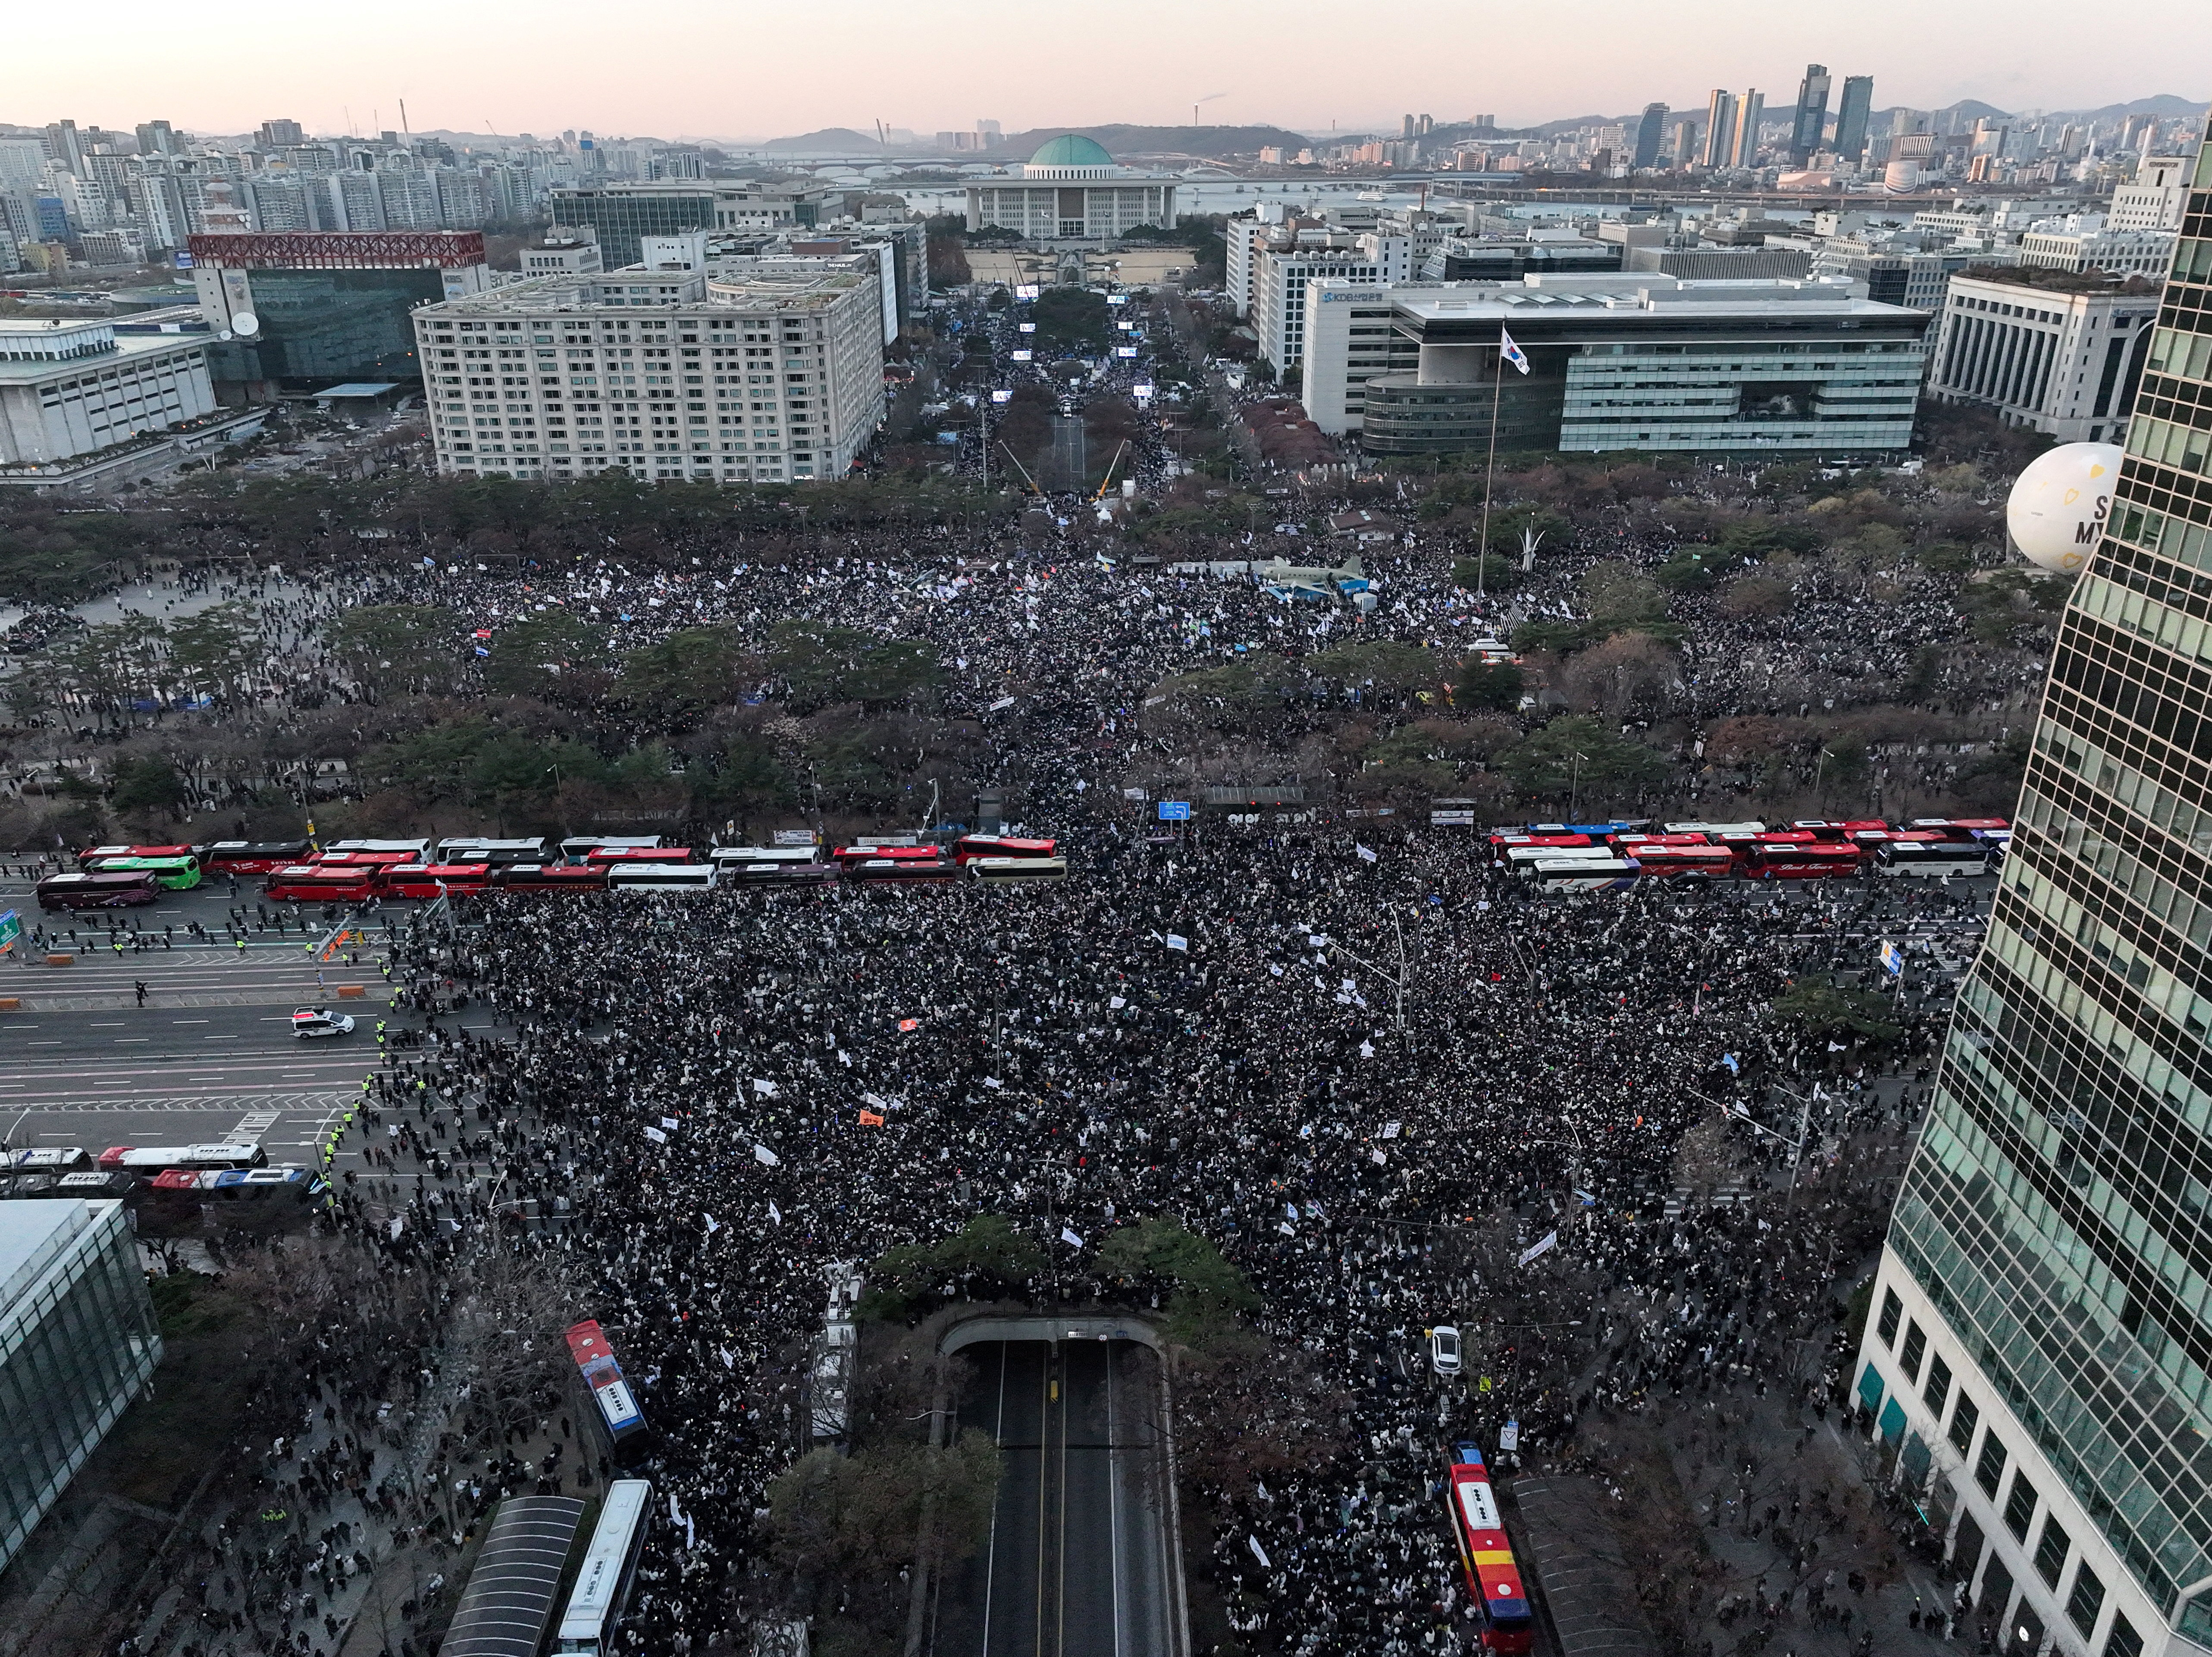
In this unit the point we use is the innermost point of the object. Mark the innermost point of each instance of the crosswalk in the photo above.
(1723, 1196)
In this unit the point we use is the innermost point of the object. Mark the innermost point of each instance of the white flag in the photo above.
(669, 1123)
(729, 1358)
(1259, 1552)
(656, 1136)
(767, 1090)
(768, 1158)
(1366, 853)
(1175, 943)
(1537, 1248)
(993, 1082)
(774, 1213)
(1068, 1235)
(713, 1225)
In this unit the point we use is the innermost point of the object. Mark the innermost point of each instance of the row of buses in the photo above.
(224, 1170)
(1611, 856)
(355, 872)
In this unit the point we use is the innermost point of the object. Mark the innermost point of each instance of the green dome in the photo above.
(1071, 150)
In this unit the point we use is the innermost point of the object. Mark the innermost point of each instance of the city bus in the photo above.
(243, 857)
(863, 851)
(1829, 861)
(1008, 870)
(1521, 859)
(1932, 860)
(1715, 828)
(905, 872)
(614, 1406)
(550, 877)
(86, 858)
(1692, 864)
(410, 851)
(1586, 874)
(728, 857)
(782, 874)
(577, 847)
(968, 847)
(429, 880)
(173, 874)
(1486, 1557)
(594, 1610)
(608, 855)
(128, 888)
(472, 849)
(623, 875)
(313, 883)
(156, 1159)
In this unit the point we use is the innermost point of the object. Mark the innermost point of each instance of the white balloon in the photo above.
(2059, 504)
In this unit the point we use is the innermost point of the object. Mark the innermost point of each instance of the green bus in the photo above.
(178, 874)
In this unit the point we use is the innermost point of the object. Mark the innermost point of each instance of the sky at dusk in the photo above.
(747, 68)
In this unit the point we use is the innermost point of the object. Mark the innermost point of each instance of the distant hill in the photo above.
(2166, 106)
(829, 141)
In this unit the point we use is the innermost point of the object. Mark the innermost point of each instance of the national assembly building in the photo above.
(1070, 190)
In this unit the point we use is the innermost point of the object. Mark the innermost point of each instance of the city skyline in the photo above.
(327, 73)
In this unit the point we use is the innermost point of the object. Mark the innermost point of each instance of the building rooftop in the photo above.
(2052, 280)
(782, 290)
(1071, 150)
(33, 1235)
(128, 348)
(1636, 292)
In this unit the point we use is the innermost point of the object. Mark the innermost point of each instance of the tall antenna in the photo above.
(403, 127)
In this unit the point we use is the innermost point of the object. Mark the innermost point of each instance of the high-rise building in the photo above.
(1650, 134)
(158, 138)
(1812, 123)
(2039, 1347)
(773, 376)
(66, 145)
(1749, 115)
(282, 134)
(1720, 129)
(1686, 142)
(1852, 110)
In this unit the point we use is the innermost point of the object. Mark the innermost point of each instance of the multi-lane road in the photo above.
(1078, 1563)
(209, 1055)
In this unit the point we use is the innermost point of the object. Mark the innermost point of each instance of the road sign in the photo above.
(11, 928)
(1892, 959)
(1175, 810)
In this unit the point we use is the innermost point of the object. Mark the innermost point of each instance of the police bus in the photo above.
(596, 1603)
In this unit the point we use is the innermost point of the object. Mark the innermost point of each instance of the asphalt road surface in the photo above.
(1076, 1562)
(209, 1055)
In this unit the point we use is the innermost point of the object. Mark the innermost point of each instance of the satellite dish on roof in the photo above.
(246, 322)
(2058, 506)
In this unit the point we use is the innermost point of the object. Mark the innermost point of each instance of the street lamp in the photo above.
(1575, 786)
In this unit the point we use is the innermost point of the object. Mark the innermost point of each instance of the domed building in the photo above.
(1070, 190)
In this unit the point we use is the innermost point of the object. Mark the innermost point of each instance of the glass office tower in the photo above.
(2040, 1351)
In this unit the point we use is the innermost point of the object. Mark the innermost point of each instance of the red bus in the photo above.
(1673, 862)
(899, 871)
(1637, 844)
(1809, 862)
(311, 882)
(968, 847)
(1502, 843)
(616, 1406)
(91, 854)
(1486, 1557)
(550, 877)
(367, 862)
(241, 856)
(602, 855)
(426, 880)
(865, 852)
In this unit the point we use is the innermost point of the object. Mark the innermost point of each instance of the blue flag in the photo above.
(1511, 352)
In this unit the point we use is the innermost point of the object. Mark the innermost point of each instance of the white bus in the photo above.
(730, 857)
(1521, 859)
(1001, 871)
(1586, 874)
(1715, 828)
(661, 876)
(595, 1605)
(1931, 860)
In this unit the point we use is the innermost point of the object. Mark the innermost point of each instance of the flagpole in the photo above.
(1490, 468)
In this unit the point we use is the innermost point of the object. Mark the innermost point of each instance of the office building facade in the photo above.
(1626, 361)
(2118, 252)
(72, 389)
(2039, 1358)
(77, 1346)
(301, 312)
(1811, 124)
(773, 377)
(623, 214)
(1853, 110)
(2063, 361)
